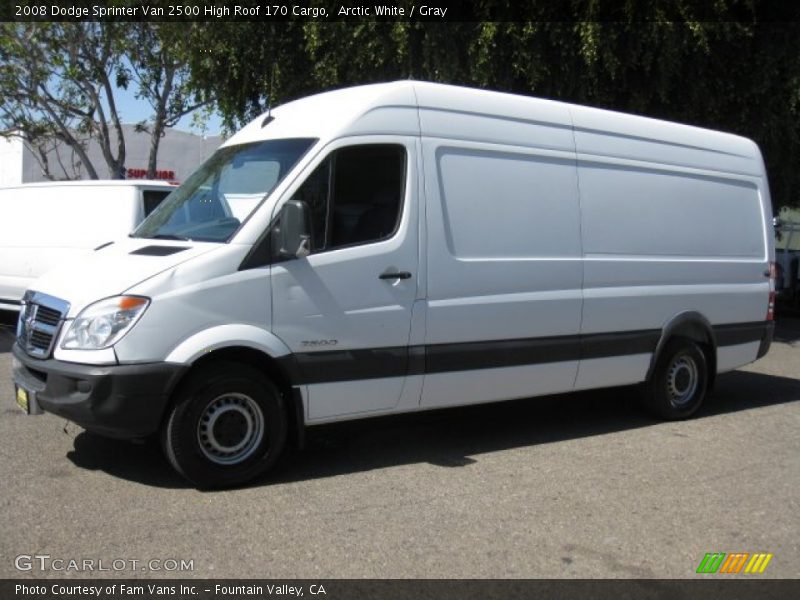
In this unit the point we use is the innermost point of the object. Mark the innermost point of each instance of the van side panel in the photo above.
(504, 268)
(465, 115)
(668, 213)
(622, 136)
(660, 238)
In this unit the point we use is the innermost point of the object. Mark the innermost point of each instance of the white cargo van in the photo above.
(44, 225)
(413, 246)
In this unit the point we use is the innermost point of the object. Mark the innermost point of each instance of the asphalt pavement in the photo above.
(574, 485)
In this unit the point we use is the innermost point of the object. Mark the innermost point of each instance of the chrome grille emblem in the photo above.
(39, 324)
(30, 317)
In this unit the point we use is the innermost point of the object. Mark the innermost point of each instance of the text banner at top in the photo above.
(392, 11)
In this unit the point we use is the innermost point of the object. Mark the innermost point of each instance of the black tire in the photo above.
(679, 382)
(227, 426)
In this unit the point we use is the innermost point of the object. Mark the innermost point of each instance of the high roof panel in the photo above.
(396, 108)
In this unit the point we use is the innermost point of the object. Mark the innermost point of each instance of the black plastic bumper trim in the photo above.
(123, 401)
(740, 333)
(129, 400)
(766, 339)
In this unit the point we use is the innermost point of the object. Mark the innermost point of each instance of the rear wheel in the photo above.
(228, 426)
(679, 381)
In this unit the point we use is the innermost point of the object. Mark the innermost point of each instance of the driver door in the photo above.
(345, 309)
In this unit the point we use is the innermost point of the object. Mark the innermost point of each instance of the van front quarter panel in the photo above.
(194, 298)
(216, 338)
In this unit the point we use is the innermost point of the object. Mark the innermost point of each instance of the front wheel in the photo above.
(227, 426)
(679, 381)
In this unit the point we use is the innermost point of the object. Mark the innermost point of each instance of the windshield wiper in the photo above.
(170, 236)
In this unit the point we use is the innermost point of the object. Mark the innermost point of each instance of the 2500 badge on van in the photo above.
(401, 247)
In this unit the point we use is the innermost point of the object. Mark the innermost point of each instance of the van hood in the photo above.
(113, 269)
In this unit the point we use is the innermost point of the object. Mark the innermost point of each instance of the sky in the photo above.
(134, 110)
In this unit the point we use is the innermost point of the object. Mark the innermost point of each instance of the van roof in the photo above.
(395, 108)
(96, 183)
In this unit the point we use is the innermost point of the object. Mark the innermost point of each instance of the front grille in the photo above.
(48, 316)
(40, 320)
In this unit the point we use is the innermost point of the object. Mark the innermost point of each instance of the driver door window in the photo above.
(355, 196)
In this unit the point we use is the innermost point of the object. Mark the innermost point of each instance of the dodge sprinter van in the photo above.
(43, 225)
(408, 246)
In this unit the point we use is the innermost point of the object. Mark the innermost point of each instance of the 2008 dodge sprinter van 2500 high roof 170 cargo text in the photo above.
(401, 247)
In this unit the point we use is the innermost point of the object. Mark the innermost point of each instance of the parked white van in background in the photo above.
(43, 225)
(415, 246)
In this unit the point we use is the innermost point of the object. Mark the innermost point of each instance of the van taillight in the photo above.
(773, 275)
(771, 307)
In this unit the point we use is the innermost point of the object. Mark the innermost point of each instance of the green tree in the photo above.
(59, 81)
(724, 65)
(53, 84)
(160, 78)
(243, 66)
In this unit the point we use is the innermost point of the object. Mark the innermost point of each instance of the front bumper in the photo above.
(122, 401)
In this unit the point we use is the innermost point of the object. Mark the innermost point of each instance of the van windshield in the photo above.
(223, 192)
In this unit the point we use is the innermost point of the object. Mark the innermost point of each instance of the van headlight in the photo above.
(103, 323)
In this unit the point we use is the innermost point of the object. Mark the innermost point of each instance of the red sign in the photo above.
(142, 174)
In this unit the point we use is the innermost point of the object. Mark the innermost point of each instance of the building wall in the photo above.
(10, 161)
(179, 153)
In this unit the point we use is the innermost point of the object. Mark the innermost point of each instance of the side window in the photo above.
(314, 192)
(355, 196)
(367, 192)
(152, 199)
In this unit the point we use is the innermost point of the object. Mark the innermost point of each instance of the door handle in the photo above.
(395, 275)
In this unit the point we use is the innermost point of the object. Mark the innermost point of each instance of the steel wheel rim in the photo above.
(230, 429)
(682, 380)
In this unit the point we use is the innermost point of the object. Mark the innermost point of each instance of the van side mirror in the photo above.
(294, 232)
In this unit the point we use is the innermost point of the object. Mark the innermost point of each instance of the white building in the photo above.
(179, 154)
